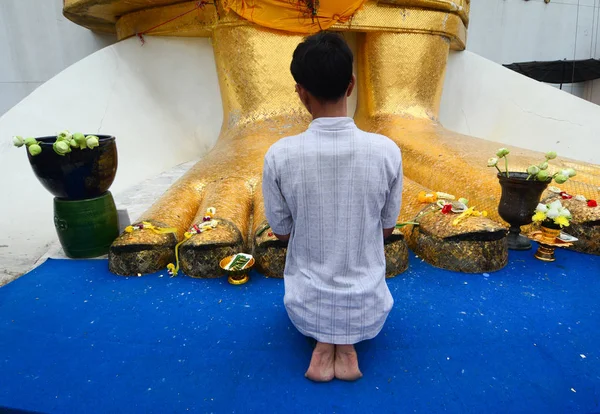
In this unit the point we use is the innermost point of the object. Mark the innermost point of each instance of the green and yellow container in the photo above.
(86, 228)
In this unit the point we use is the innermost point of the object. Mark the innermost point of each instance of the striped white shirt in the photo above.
(334, 188)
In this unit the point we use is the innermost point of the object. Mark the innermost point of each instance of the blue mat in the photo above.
(74, 338)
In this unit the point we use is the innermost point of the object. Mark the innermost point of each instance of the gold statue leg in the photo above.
(400, 85)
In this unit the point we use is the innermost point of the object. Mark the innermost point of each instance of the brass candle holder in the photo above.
(548, 240)
(236, 277)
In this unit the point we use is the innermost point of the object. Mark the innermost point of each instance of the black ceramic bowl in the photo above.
(78, 175)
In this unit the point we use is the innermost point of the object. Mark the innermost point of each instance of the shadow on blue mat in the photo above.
(74, 338)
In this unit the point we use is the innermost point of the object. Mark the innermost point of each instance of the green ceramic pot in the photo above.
(86, 228)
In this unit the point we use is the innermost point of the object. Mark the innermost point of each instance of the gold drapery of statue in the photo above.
(297, 17)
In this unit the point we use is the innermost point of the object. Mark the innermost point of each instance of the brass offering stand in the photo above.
(548, 242)
(236, 277)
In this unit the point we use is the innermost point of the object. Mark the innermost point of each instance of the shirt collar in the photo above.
(332, 123)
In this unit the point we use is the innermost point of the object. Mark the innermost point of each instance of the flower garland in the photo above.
(445, 204)
(208, 223)
(566, 196)
(145, 225)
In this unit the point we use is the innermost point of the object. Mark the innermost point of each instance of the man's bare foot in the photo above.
(346, 363)
(321, 363)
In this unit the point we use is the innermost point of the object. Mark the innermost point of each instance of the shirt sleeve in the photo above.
(276, 208)
(391, 208)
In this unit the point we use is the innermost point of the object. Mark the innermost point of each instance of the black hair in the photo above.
(322, 64)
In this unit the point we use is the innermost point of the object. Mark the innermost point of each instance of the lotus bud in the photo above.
(542, 175)
(61, 147)
(544, 165)
(92, 141)
(571, 172)
(502, 152)
(18, 141)
(492, 162)
(29, 141)
(80, 140)
(73, 143)
(464, 201)
(64, 136)
(561, 179)
(34, 150)
(533, 170)
(550, 155)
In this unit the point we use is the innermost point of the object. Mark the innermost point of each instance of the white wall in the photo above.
(486, 100)
(36, 43)
(508, 31)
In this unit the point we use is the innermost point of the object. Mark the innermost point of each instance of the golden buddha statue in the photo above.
(403, 46)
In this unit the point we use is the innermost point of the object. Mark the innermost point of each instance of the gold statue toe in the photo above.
(201, 254)
(396, 254)
(269, 252)
(141, 252)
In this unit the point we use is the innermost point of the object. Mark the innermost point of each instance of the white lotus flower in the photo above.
(564, 212)
(555, 205)
(553, 213)
(541, 208)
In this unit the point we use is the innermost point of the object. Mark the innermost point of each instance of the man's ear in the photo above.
(303, 94)
(351, 86)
